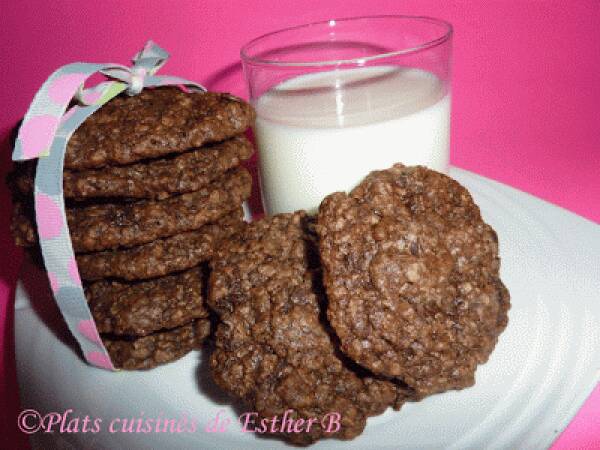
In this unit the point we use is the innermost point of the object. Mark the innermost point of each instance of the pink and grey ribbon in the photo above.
(44, 134)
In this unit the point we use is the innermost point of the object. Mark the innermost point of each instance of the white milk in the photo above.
(323, 132)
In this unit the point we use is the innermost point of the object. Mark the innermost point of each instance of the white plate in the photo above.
(545, 365)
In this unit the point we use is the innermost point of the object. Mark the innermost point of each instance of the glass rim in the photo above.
(445, 36)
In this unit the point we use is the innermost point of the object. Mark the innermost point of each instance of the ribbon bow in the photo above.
(44, 134)
(48, 110)
(146, 62)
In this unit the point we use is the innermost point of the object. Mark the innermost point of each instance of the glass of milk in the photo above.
(338, 99)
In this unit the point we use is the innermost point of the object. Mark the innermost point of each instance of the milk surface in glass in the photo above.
(323, 132)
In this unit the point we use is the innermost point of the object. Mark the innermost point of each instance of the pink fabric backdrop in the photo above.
(526, 95)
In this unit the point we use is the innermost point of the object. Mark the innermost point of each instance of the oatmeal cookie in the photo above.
(22, 227)
(154, 179)
(273, 348)
(411, 273)
(154, 123)
(143, 307)
(163, 256)
(156, 348)
(113, 225)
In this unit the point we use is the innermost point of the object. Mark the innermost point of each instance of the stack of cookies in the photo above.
(153, 185)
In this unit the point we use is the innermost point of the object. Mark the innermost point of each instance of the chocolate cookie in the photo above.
(113, 225)
(156, 179)
(22, 227)
(273, 348)
(411, 273)
(143, 307)
(155, 123)
(163, 256)
(157, 348)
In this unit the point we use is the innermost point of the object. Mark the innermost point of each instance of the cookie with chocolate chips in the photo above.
(411, 273)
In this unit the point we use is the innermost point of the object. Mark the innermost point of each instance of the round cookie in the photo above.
(163, 256)
(143, 307)
(113, 225)
(154, 123)
(157, 348)
(411, 274)
(273, 348)
(154, 179)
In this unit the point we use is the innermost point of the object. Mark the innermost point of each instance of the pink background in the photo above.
(526, 95)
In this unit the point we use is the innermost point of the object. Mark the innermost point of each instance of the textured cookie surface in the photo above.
(143, 307)
(157, 348)
(159, 178)
(113, 225)
(21, 225)
(273, 349)
(411, 273)
(154, 123)
(163, 256)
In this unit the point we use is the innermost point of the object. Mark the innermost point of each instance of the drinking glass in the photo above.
(340, 98)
